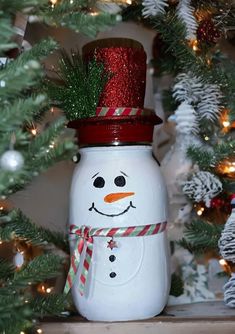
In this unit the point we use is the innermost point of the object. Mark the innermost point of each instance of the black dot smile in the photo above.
(112, 215)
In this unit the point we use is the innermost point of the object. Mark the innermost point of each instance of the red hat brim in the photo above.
(115, 130)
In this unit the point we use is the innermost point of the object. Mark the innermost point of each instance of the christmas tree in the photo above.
(189, 33)
(25, 152)
(188, 40)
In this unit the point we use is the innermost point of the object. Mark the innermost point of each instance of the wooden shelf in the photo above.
(198, 318)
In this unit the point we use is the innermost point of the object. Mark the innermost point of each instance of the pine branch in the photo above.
(21, 108)
(185, 12)
(177, 285)
(208, 159)
(192, 248)
(20, 226)
(7, 13)
(186, 119)
(17, 306)
(173, 34)
(15, 314)
(225, 149)
(206, 98)
(209, 104)
(82, 86)
(22, 78)
(41, 142)
(61, 151)
(154, 7)
(49, 305)
(229, 186)
(12, 182)
(38, 52)
(6, 269)
(169, 103)
(201, 235)
(19, 6)
(39, 269)
(205, 159)
(40, 154)
(6, 31)
(76, 17)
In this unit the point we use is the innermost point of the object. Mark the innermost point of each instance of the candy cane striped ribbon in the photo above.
(119, 111)
(84, 241)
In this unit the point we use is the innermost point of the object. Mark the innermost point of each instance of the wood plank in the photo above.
(140, 328)
(198, 318)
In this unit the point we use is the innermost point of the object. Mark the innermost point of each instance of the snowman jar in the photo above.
(119, 250)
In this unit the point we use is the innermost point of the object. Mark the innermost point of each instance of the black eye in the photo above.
(99, 182)
(120, 181)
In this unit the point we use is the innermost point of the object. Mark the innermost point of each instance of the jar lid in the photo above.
(115, 130)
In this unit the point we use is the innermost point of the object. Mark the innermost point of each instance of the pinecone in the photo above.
(207, 32)
(229, 292)
(203, 186)
(227, 239)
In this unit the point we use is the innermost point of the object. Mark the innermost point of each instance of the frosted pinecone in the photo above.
(227, 239)
(229, 292)
(203, 186)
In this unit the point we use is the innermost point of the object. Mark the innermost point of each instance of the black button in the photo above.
(112, 258)
(112, 274)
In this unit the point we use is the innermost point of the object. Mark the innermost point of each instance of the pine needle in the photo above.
(52, 304)
(20, 226)
(201, 236)
(81, 87)
(6, 269)
(39, 269)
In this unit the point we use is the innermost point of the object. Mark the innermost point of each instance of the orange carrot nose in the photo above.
(116, 197)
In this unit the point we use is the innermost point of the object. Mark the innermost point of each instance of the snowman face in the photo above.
(109, 188)
(120, 183)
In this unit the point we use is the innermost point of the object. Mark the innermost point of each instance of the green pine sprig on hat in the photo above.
(80, 85)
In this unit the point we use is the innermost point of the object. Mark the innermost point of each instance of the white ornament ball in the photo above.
(11, 161)
(18, 259)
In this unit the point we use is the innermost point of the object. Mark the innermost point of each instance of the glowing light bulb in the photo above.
(129, 2)
(200, 211)
(39, 330)
(231, 169)
(94, 13)
(53, 3)
(222, 262)
(52, 144)
(43, 288)
(48, 290)
(226, 124)
(34, 131)
(1, 208)
(206, 138)
(194, 45)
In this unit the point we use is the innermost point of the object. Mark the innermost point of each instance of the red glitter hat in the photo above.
(120, 116)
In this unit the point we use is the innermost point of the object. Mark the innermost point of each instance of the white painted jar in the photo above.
(130, 281)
